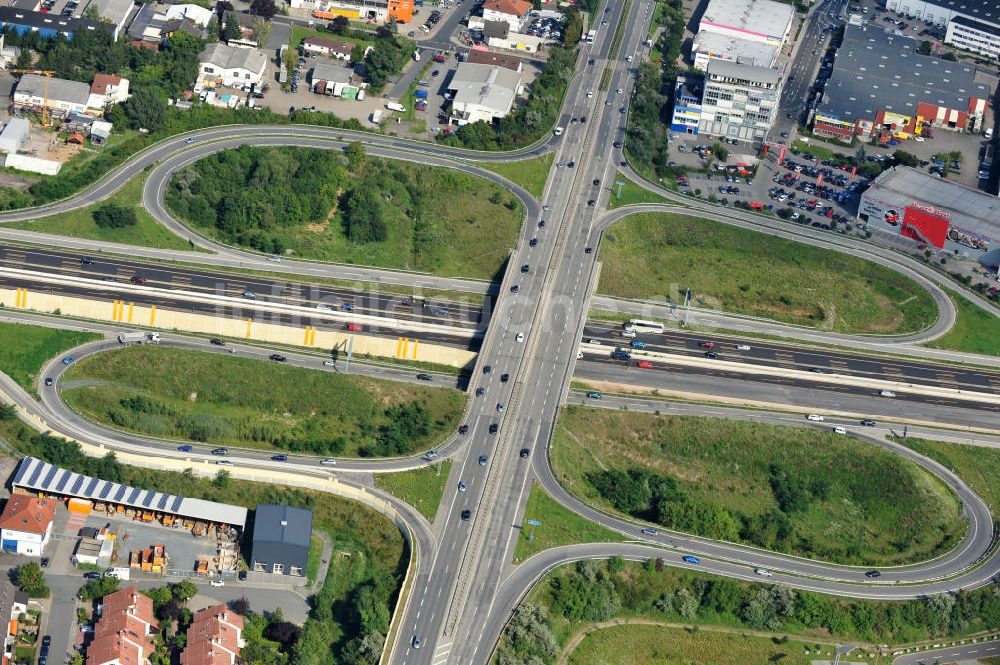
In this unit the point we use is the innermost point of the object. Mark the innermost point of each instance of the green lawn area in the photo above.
(800, 491)
(315, 554)
(226, 400)
(315, 204)
(638, 644)
(421, 488)
(371, 555)
(631, 193)
(975, 330)
(24, 349)
(559, 527)
(528, 173)
(79, 223)
(979, 467)
(652, 255)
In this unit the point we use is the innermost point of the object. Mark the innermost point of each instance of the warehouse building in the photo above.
(84, 494)
(761, 21)
(59, 97)
(882, 88)
(482, 92)
(281, 539)
(739, 101)
(973, 25)
(934, 211)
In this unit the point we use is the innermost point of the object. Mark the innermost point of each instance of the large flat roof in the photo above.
(877, 70)
(60, 90)
(759, 17)
(35, 474)
(733, 48)
(970, 209)
(282, 524)
(984, 10)
(742, 72)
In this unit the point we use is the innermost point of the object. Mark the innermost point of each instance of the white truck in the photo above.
(395, 106)
(376, 116)
(139, 338)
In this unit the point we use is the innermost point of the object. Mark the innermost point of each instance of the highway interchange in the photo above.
(465, 586)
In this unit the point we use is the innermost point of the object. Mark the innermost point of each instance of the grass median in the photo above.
(975, 330)
(230, 401)
(655, 256)
(79, 223)
(421, 488)
(630, 193)
(558, 526)
(531, 174)
(24, 349)
(801, 491)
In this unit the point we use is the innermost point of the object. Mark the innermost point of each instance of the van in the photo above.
(886, 393)
(840, 430)
(628, 333)
(988, 133)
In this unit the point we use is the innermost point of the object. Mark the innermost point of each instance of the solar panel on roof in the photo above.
(91, 485)
(22, 469)
(147, 501)
(106, 490)
(37, 471)
(53, 470)
(120, 493)
(63, 479)
(162, 503)
(178, 500)
(134, 495)
(75, 487)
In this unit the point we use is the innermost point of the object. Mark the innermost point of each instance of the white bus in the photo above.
(635, 325)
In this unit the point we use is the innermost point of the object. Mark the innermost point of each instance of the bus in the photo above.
(635, 325)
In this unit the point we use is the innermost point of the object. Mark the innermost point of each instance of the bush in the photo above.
(114, 216)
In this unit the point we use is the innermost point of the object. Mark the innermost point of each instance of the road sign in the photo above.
(534, 523)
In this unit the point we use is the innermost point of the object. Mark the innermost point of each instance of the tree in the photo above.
(146, 109)
(363, 216)
(221, 480)
(99, 588)
(223, 6)
(31, 580)
(686, 603)
(231, 28)
(184, 590)
(949, 56)
(114, 216)
(340, 24)
(721, 153)
(265, 8)
(240, 605)
(905, 158)
(355, 152)
(261, 30)
(924, 48)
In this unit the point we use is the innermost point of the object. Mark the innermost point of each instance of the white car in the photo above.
(887, 393)
(742, 347)
(519, 337)
(628, 333)
(628, 59)
(595, 342)
(274, 259)
(919, 139)
(329, 461)
(763, 572)
(839, 430)
(579, 355)
(815, 418)
(620, 91)
(217, 583)
(323, 308)
(590, 93)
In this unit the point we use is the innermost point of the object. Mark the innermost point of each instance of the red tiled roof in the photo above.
(123, 633)
(516, 7)
(30, 514)
(102, 82)
(213, 637)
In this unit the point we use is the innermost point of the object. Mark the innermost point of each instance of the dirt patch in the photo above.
(17, 181)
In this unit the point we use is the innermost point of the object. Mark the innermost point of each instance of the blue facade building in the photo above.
(687, 105)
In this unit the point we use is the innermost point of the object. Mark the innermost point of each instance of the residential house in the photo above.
(215, 637)
(13, 603)
(224, 65)
(124, 632)
(511, 12)
(281, 539)
(156, 22)
(482, 92)
(331, 48)
(107, 89)
(26, 524)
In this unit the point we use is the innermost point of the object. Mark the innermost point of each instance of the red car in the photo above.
(354, 327)
(645, 364)
(707, 345)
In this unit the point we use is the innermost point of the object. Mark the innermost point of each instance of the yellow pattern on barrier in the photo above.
(312, 337)
(152, 315)
(114, 310)
(249, 321)
(131, 307)
(21, 299)
(305, 339)
(415, 342)
(399, 347)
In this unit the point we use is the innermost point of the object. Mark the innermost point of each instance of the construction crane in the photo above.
(45, 97)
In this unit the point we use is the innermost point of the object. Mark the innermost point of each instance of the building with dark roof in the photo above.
(881, 87)
(687, 104)
(973, 25)
(481, 57)
(48, 26)
(281, 539)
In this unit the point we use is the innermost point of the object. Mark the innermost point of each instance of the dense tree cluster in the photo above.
(385, 58)
(114, 216)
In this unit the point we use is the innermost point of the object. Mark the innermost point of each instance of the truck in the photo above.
(139, 338)
(420, 94)
(283, 75)
(376, 116)
(395, 106)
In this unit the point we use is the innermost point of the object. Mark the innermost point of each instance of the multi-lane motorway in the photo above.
(464, 585)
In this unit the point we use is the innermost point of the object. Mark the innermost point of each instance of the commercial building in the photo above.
(687, 105)
(83, 494)
(115, 12)
(331, 48)
(973, 25)
(224, 65)
(761, 21)
(124, 632)
(48, 26)
(708, 44)
(511, 12)
(281, 539)
(15, 135)
(59, 96)
(13, 603)
(739, 101)
(214, 637)
(935, 211)
(882, 88)
(375, 11)
(482, 92)
(26, 524)
(334, 79)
